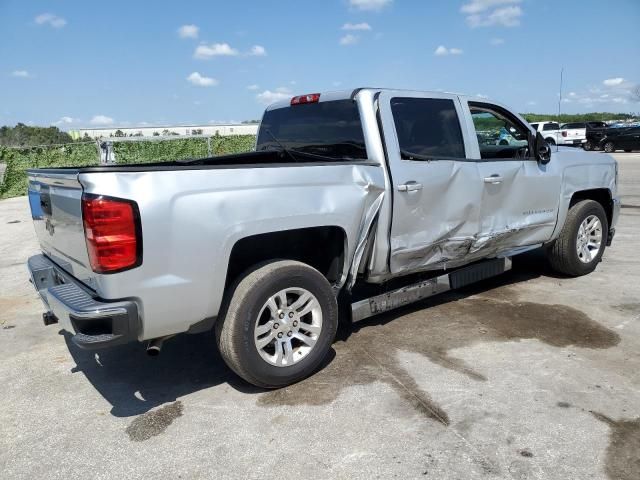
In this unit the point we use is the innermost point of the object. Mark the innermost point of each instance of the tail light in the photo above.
(564, 133)
(113, 233)
(309, 98)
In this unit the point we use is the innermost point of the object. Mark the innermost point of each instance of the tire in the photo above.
(550, 141)
(587, 146)
(247, 308)
(627, 151)
(609, 147)
(564, 255)
(503, 142)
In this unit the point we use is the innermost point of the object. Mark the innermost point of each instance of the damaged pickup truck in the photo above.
(355, 201)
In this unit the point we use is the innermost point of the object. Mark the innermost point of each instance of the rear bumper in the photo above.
(94, 323)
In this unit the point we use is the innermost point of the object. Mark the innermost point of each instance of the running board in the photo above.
(427, 288)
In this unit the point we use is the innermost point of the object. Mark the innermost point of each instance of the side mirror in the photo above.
(542, 149)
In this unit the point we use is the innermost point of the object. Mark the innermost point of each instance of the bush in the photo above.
(167, 150)
(18, 160)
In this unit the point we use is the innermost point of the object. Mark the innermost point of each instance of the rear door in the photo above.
(520, 197)
(436, 192)
(629, 140)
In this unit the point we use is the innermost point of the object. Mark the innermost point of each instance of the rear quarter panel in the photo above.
(192, 218)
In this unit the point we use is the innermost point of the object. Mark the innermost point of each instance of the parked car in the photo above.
(594, 132)
(626, 139)
(549, 130)
(573, 134)
(355, 201)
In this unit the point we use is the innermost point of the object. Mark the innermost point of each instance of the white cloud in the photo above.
(613, 82)
(21, 74)
(268, 97)
(356, 26)
(478, 6)
(253, 87)
(214, 50)
(336, 83)
(65, 121)
(201, 81)
(489, 13)
(480, 95)
(349, 39)
(497, 41)
(51, 20)
(258, 51)
(531, 103)
(442, 50)
(188, 31)
(371, 5)
(101, 120)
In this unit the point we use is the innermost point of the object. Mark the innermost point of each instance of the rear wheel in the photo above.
(627, 151)
(579, 248)
(588, 146)
(279, 324)
(609, 147)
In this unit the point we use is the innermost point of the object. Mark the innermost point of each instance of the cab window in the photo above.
(499, 135)
(427, 128)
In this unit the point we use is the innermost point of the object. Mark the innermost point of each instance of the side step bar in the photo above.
(427, 288)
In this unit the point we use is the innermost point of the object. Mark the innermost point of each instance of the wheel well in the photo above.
(600, 195)
(321, 247)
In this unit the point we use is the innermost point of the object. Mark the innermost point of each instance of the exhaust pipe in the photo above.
(155, 345)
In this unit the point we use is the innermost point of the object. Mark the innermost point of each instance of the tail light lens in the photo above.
(564, 133)
(113, 233)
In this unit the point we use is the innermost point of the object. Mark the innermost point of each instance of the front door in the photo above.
(520, 196)
(436, 191)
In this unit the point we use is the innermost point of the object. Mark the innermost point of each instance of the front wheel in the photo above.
(579, 248)
(279, 324)
(609, 147)
(588, 146)
(550, 141)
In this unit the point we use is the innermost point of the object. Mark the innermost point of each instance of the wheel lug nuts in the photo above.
(295, 324)
(275, 326)
(290, 314)
(289, 333)
(280, 335)
(281, 315)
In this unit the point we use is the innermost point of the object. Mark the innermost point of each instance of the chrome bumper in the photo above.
(94, 323)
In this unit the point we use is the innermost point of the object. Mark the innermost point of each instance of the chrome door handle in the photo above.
(494, 179)
(409, 187)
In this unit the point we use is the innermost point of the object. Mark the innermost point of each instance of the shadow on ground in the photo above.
(365, 353)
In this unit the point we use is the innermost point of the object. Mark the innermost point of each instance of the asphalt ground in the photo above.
(527, 376)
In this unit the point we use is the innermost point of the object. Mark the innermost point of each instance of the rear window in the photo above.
(569, 126)
(427, 127)
(328, 129)
(551, 126)
(535, 126)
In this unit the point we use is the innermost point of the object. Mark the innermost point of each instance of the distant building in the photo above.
(165, 130)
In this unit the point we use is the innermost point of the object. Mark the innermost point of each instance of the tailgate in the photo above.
(55, 198)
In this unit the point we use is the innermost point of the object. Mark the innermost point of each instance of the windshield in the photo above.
(329, 129)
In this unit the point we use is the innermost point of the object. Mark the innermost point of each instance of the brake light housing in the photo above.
(113, 233)
(308, 98)
(564, 133)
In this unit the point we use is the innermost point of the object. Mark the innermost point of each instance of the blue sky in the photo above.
(79, 63)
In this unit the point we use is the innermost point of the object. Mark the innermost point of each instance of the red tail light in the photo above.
(564, 133)
(309, 98)
(112, 232)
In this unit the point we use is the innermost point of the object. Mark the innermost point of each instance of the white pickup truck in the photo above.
(368, 199)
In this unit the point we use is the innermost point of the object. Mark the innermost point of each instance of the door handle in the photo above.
(494, 179)
(410, 187)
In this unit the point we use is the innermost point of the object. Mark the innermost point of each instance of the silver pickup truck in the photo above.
(367, 199)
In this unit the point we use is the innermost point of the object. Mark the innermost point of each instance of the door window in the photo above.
(499, 135)
(427, 128)
(550, 126)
